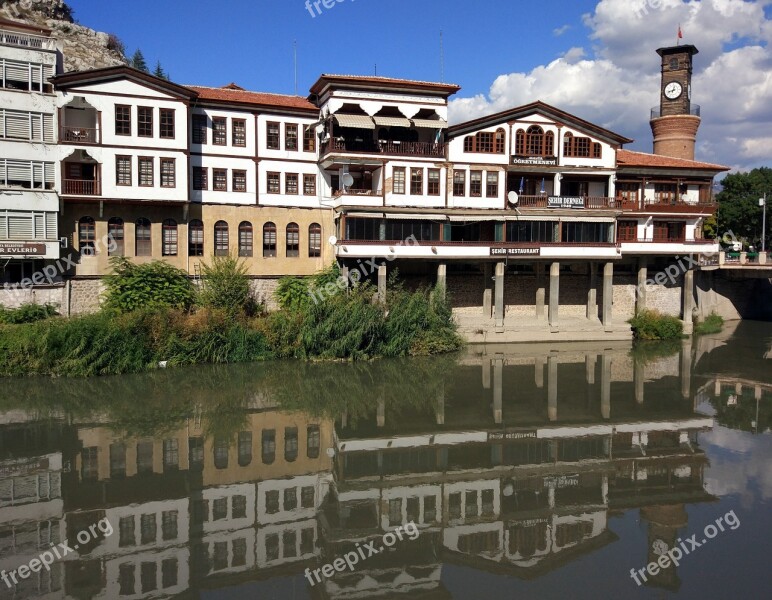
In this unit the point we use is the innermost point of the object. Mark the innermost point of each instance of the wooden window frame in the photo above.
(144, 123)
(290, 140)
(145, 160)
(309, 138)
(167, 226)
(116, 243)
(165, 162)
(273, 175)
(492, 188)
(288, 177)
(433, 187)
(472, 192)
(416, 181)
(196, 249)
(314, 231)
(292, 250)
(403, 183)
(219, 136)
(200, 175)
(461, 180)
(129, 175)
(239, 138)
(246, 239)
(223, 179)
(123, 123)
(273, 140)
(199, 130)
(270, 249)
(239, 175)
(167, 129)
(220, 227)
(309, 184)
(147, 243)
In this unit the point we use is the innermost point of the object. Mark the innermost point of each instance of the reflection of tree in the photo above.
(742, 415)
(645, 352)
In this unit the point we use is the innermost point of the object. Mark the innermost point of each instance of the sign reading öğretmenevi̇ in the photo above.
(22, 248)
(547, 161)
(565, 202)
(515, 251)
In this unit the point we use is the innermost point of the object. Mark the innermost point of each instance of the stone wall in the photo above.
(734, 294)
(264, 291)
(85, 296)
(54, 294)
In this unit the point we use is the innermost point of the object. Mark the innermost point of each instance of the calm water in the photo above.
(539, 471)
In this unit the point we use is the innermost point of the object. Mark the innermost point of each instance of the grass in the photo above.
(652, 325)
(713, 323)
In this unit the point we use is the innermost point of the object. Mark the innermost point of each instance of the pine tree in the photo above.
(138, 61)
(159, 71)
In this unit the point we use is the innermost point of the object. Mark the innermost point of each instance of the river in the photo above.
(526, 471)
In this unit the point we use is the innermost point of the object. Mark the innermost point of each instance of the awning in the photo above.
(401, 216)
(391, 121)
(356, 121)
(430, 123)
(475, 218)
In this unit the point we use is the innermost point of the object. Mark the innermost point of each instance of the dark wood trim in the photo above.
(117, 95)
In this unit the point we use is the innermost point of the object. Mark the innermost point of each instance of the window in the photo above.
(122, 119)
(168, 173)
(416, 182)
(220, 180)
(239, 181)
(413, 509)
(219, 131)
(147, 529)
(291, 183)
(532, 231)
(221, 238)
(274, 183)
(171, 454)
(669, 231)
(169, 525)
(293, 240)
(123, 170)
(534, 142)
(627, 231)
(145, 171)
(239, 132)
(485, 141)
(459, 183)
(221, 447)
(115, 236)
(307, 540)
(199, 129)
(168, 572)
(290, 136)
(470, 506)
(430, 509)
(148, 574)
(290, 443)
(583, 232)
(313, 441)
(434, 182)
(87, 236)
(239, 505)
(268, 445)
(309, 138)
(272, 502)
(145, 457)
(500, 141)
(309, 185)
(117, 461)
(272, 546)
(142, 239)
(492, 184)
(627, 191)
(169, 237)
(89, 468)
(200, 176)
(272, 136)
(245, 238)
(166, 123)
(126, 574)
(665, 193)
(314, 240)
(196, 453)
(196, 238)
(290, 498)
(220, 509)
(289, 540)
(475, 183)
(395, 512)
(307, 495)
(399, 180)
(269, 240)
(245, 445)
(126, 535)
(144, 121)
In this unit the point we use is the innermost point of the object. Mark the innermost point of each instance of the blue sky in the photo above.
(593, 58)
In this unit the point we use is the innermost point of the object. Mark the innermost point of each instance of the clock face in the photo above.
(673, 90)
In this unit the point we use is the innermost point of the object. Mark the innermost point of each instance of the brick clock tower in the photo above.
(675, 123)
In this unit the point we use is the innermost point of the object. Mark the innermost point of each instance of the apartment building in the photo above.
(29, 204)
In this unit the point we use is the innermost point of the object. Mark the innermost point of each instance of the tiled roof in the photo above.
(630, 158)
(449, 88)
(232, 93)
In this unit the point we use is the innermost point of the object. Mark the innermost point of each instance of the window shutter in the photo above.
(20, 226)
(39, 220)
(16, 71)
(18, 171)
(37, 175)
(48, 128)
(3, 226)
(36, 74)
(2, 122)
(51, 229)
(17, 125)
(49, 175)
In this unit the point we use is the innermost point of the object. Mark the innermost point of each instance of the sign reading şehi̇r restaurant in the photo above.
(22, 248)
(532, 251)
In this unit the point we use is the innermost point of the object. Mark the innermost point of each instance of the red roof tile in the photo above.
(233, 94)
(630, 158)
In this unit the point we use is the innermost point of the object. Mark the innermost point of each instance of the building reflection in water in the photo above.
(509, 460)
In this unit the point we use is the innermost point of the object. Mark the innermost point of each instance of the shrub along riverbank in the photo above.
(153, 313)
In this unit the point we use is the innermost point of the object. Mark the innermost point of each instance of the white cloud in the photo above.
(618, 83)
(558, 31)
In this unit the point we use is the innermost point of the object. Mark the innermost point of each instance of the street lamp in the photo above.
(763, 204)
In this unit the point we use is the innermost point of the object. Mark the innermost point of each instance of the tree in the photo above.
(159, 71)
(138, 61)
(738, 204)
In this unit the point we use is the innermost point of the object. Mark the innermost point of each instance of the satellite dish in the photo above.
(333, 240)
(348, 180)
(513, 198)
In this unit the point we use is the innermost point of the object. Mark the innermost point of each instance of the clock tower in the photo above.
(675, 122)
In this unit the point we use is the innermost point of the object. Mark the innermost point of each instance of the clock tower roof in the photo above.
(692, 50)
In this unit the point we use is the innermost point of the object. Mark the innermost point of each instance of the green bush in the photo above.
(156, 284)
(27, 313)
(713, 323)
(292, 293)
(226, 286)
(652, 325)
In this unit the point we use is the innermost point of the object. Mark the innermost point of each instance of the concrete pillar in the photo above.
(592, 294)
(686, 368)
(486, 372)
(757, 393)
(608, 294)
(589, 366)
(499, 311)
(539, 372)
(639, 379)
(721, 258)
(552, 388)
(605, 386)
(743, 258)
(442, 279)
(488, 293)
(688, 301)
(541, 292)
(717, 387)
(440, 411)
(554, 295)
(381, 414)
(498, 390)
(643, 274)
(763, 256)
(382, 283)
(556, 184)
(344, 275)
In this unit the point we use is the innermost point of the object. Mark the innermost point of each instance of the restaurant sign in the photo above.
(515, 251)
(565, 202)
(22, 248)
(511, 435)
(541, 161)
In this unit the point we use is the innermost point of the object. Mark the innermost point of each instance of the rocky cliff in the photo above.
(83, 48)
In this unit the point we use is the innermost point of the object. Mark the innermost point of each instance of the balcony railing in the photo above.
(665, 207)
(79, 135)
(386, 147)
(546, 201)
(694, 110)
(25, 40)
(81, 187)
(353, 192)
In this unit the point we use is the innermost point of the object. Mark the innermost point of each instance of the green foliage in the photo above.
(651, 325)
(292, 293)
(739, 209)
(27, 313)
(645, 352)
(151, 285)
(226, 286)
(159, 71)
(115, 44)
(713, 323)
(138, 61)
(710, 228)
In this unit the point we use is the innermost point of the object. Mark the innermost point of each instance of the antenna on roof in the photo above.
(295, 51)
(375, 70)
(442, 58)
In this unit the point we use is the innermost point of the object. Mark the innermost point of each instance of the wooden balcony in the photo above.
(25, 40)
(546, 201)
(354, 192)
(672, 207)
(79, 135)
(81, 187)
(358, 146)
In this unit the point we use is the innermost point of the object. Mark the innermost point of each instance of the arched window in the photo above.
(169, 238)
(500, 137)
(221, 448)
(269, 240)
(87, 236)
(520, 142)
(293, 240)
(535, 141)
(115, 237)
(221, 238)
(143, 242)
(549, 144)
(245, 238)
(314, 240)
(469, 143)
(196, 238)
(568, 141)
